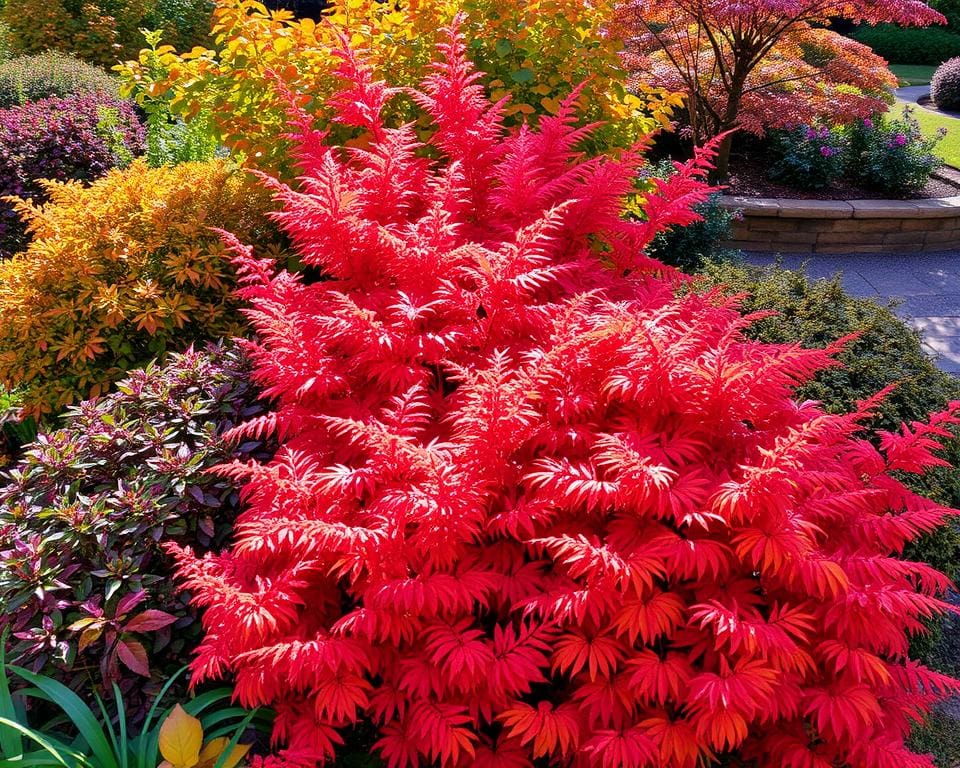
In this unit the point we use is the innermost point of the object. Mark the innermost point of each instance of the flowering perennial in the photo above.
(533, 503)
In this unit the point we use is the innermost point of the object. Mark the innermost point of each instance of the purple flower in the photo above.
(811, 134)
(899, 139)
(826, 151)
(867, 122)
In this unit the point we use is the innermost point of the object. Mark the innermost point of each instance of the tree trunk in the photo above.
(721, 167)
(728, 125)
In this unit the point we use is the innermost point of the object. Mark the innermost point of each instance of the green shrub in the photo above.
(103, 31)
(891, 154)
(6, 48)
(689, 247)
(939, 736)
(31, 78)
(806, 157)
(951, 10)
(185, 23)
(899, 45)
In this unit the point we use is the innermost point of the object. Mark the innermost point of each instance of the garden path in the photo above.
(912, 93)
(926, 287)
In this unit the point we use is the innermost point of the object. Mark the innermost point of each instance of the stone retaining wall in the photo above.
(844, 226)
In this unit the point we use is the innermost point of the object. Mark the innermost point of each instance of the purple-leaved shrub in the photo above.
(78, 137)
(85, 588)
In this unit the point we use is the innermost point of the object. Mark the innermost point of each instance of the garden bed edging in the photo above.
(844, 226)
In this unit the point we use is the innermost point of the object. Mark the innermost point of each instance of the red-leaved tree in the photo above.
(535, 504)
(759, 64)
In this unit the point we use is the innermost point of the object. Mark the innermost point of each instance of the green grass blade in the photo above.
(81, 716)
(11, 743)
(35, 737)
(123, 751)
(146, 736)
(235, 740)
(221, 716)
(206, 700)
(107, 725)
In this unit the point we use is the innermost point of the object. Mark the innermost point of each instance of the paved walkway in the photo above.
(912, 92)
(926, 285)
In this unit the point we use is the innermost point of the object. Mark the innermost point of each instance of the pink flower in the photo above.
(826, 151)
(811, 134)
(900, 139)
(867, 122)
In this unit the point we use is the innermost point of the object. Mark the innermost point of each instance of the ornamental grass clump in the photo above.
(535, 506)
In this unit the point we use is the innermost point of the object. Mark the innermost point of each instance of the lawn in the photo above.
(930, 122)
(913, 74)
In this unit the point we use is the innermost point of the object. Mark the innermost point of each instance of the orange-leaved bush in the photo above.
(533, 504)
(118, 273)
(535, 50)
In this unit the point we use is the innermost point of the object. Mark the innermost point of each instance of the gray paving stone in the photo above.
(924, 288)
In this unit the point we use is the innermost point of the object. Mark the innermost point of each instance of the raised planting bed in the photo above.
(844, 226)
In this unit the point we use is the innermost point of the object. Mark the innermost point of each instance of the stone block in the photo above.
(814, 209)
(751, 206)
(905, 238)
(942, 239)
(883, 226)
(794, 237)
(822, 225)
(942, 207)
(885, 209)
(851, 238)
(766, 224)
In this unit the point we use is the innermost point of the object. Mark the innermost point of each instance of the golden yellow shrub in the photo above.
(118, 273)
(535, 50)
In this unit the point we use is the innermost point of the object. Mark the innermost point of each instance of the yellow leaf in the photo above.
(181, 737)
(214, 748)
(551, 105)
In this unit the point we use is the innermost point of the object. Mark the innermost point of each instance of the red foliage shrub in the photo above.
(533, 503)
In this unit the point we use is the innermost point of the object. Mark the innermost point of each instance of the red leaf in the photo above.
(149, 621)
(134, 657)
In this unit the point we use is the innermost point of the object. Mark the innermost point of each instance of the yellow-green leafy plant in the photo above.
(536, 52)
(120, 272)
(101, 31)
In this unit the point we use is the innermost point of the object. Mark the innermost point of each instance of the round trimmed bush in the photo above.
(945, 86)
(31, 78)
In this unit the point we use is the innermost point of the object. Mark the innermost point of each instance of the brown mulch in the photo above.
(748, 178)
